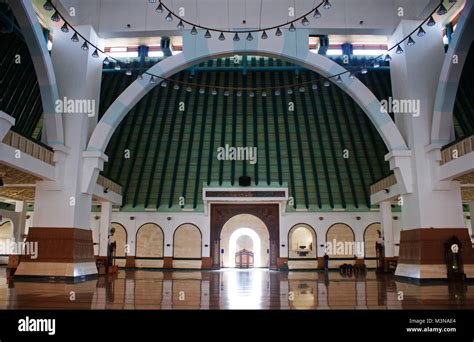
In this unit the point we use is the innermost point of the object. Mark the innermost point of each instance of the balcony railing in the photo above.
(29, 147)
(107, 183)
(457, 150)
(382, 184)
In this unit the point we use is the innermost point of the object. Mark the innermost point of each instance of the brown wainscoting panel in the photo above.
(206, 263)
(61, 245)
(130, 261)
(281, 262)
(167, 262)
(426, 245)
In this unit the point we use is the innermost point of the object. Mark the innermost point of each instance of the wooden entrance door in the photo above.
(244, 259)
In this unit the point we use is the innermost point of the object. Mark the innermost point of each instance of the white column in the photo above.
(20, 226)
(415, 74)
(387, 228)
(104, 228)
(78, 76)
(471, 213)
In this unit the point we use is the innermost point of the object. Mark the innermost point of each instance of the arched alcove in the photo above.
(149, 246)
(187, 246)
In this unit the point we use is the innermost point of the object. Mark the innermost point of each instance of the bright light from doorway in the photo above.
(233, 245)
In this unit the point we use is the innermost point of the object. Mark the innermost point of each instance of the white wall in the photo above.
(287, 221)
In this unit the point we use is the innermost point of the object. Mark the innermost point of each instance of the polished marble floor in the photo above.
(234, 289)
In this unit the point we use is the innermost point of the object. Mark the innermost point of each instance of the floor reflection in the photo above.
(234, 289)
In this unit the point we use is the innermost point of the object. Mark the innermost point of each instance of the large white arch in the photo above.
(33, 34)
(292, 47)
(442, 123)
(256, 245)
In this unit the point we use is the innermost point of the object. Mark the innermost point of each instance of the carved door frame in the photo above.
(268, 213)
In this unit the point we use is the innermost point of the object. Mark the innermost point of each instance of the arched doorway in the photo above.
(244, 232)
(118, 234)
(149, 242)
(187, 247)
(262, 218)
(371, 237)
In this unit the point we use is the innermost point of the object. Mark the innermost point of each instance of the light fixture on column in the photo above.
(169, 17)
(317, 14)
(421, 32)
(48, 6)
(221, 36)
(431, 22)
(327, 4)
(305, 21)
(180, 25)
(441, 10)
(106, 190)
(95, 54)
(194, 31)
(264, 35)
(410, 41)
(65, 28)
(249, 37)
(399, 50)
(75, 37)
(55, 17)
(207, 35)
(278, 32)
(236, 38)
